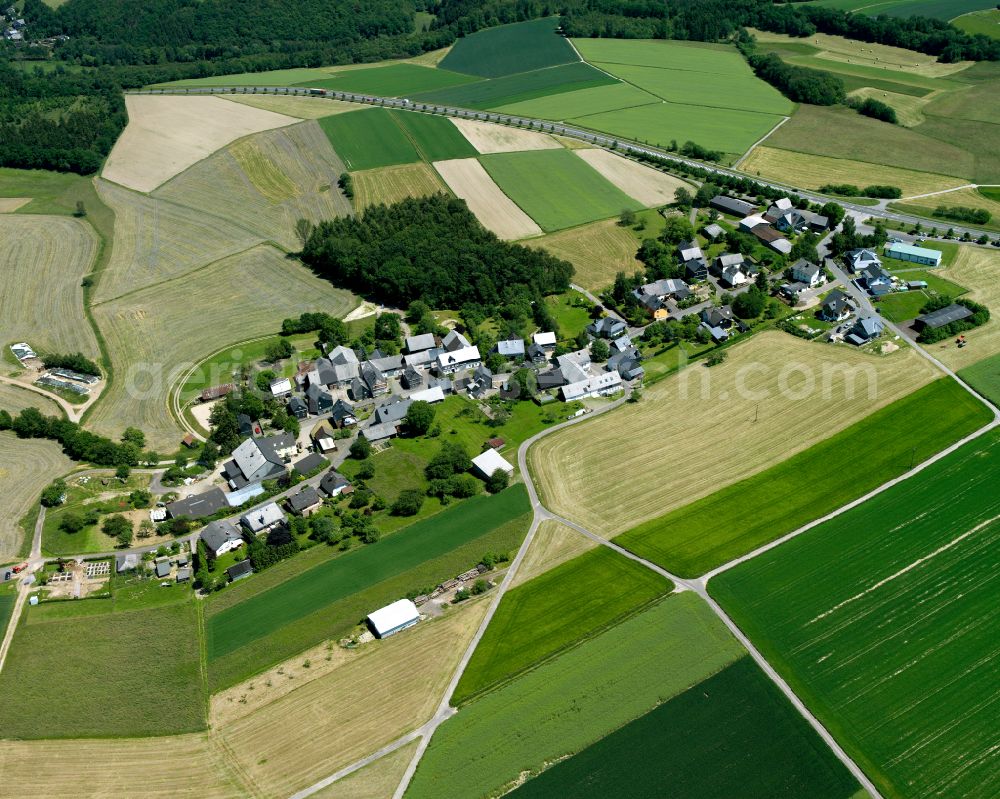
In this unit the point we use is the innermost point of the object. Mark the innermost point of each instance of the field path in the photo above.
(759, 142)
(943, 191)
(15, 616)
(73, 413)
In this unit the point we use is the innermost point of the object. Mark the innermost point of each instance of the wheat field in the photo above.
(391, 184)
(598, 252)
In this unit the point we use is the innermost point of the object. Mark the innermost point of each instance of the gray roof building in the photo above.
(454, 341)
(424, 341)
(511, 348)
(310, 463)
(392, 410)
(199, 506)
(306, 498)
(333, 483)
(239, 571)
(730, 205)
(944, 316)
(220, 536)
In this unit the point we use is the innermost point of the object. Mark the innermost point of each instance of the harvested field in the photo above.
(348, 713)
(42, 260)
(645, 184)
(391, 184)
(909, 109)
(295, 106)
(469, 181)
(26, 467)
(14, 400)
(157, 240)
(376, 781)
(265, 183)
(969, 198)
(598, 252)
(813, 171)
(553, 545)
(185, 766)
(166, 134)
(489, 138)
(678, 414)
(157, 333)
(10, 204)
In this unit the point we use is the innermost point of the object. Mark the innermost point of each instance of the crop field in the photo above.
(375, 781)
(969, 198)
(495, 210)
(909, 109)
(329, 598)
(568, 105)
(518, 88)
(646, 185)
(368, 139)
(554, 544)
(390, 184)
(984, 377)
(26, 467)
(984, 22)
(773, 377)
(568, 604)
(155, 334)
(395, 80)
(295, 106)
(348, 713)
(732, 735)
(487, 138)
(598, 252)
(556, 188)
(150, 686)
(271, 77)
(889, 612)
(435, 137)
(266, 183)
(574, 700)
(167, 134)
(508, 49)
(43, 259)
(945, 413)
(813, 171)
(171, 766)
(14, 400)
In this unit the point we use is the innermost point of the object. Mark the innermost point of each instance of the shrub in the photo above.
(54, 493)
(497, 481)
(408, 503)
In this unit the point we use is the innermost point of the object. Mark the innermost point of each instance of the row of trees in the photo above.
(77, 443)
(78, 362)
(961, 213)
(850, 190)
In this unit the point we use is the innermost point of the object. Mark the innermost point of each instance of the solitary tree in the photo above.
(419, 417)
(117, 526)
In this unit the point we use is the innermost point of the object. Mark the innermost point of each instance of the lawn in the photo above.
(735, 734)
(555, 611)
(331, 597)
(574, 700)
(520, 87)
(508, 49)
(571, 312)
(436, 138)
(889, 612)
(556, 188)
(132, 673)
(368, 138)
(598, 252)
(718, 528)
(396, 80)
(902, 306)
(984, 377)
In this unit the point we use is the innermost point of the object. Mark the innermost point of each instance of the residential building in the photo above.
(306, 502)
(411, 378)
(942, 317)
(379, 432)
(808, 273)
(221, 537)
(258, 459)
(730, 205)
(281, 387)
(319, 400)
(748, 223)
(490, 461)
(511, 348)
(917, 255)
(607, 327)
(695, 271)
(865, 330)
(601, 385)
(836, 307)
(393, 618)
(877, 281)
(297, 407)
(453, 360)
(309, 464)
(323, 438)
(544, 339)
(718, 334)
(721, 316)
(858, 260)
(537, 354)
(455, 341)
(793, 221)
(424, 341)
(389, 365)
(689, 251)
(261, 519)
(198, 506)
(374, 381)
(342, 414)
(334, 484)
(575, 366)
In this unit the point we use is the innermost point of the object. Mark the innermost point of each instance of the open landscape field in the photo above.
(737, 718)
(574, 700)
(556, 188)
(495, 210)
(554, 544)
(936, 9)
(390, 184)
(436, 138)
(552, 612)
(265, 183)
(42, 260)
(945, 413)
(167, 134)
(392, 80)
(349, 713)
(985, 22)
(141, 674)
(598, 252)
(569, 105)
(984, 377)
(295, 105)
(487, 138)
(644, 184)
(368, 139)
(773, 376)
(26, 467)
(14, 399)
(155, 334)
(967, 198)
(508, 49)
(888, 613)
(375, 781)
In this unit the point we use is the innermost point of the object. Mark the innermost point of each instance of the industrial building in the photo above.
(392, 618)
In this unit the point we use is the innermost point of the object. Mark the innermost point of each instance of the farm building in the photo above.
(730, 205)
(917, 255)
(714, 231)
(216, 392)
(221, 537)
(431, 395)
(420, 343)
(379, 432)
(281, 387)
(490, 461)
(392, 618)
(309, 464)
(455, 341)
(239, 571)
(942, 317)
(199, 506)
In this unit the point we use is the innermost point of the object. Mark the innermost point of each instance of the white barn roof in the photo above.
(489, 461)
(434, 394)
(391, 618)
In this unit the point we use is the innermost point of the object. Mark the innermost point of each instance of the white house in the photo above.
(281, 387)
(748, 223)
(221, 537)
(602, 385)
(464, 358)
(393, 618)
(489, 462)
(805, 272)
(431, 395)
(545, 340)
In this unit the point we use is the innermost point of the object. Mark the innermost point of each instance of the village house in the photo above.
(198, 506)
(258, 459)
(857, 260)
(261, 519)
(544, 339)
(322, 437)
(607, 327)
(453, 360)
(809, 273)
(865, 330)
(342, 414)
(334, 484)
(836, 307)
(601, 385)
(297, 407)
(306, 502)
(730, 269)
(221, 537)
(511, 348)
(425, 341)
(319, 400)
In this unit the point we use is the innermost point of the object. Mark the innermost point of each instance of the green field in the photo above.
(733, 735)
(984, 377)
(556, 188)
(436, 138)
(555, 610)
(333, 596)
(984, 22)
(8, 597)
(581, 102)
(520, 87)
(574, 700)
(885, 621)
(713, 530)
(80, 671)
(395, 80)
(368, 138)
(273, 77)
(509, 49)
(937, 9)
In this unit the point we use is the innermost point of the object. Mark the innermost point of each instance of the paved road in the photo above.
(544, 126)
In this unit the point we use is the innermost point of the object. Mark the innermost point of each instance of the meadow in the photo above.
(598, 252)
(153, 685)
(436, 138)
(770, 385)
(390, 184)
(574, 700)
(734, 734)
(553, 612)
(554, 544)
(984, 377)
(394, 80)
(984, 22)
(43, 260)
(567, 105)
(889, 612)
(301, 107)
(556, 188)
(369, 138)
(508, 49)
(967, 198)
(942, 411)
(8, 598)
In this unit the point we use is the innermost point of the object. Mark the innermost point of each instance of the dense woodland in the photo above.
(433, 249)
